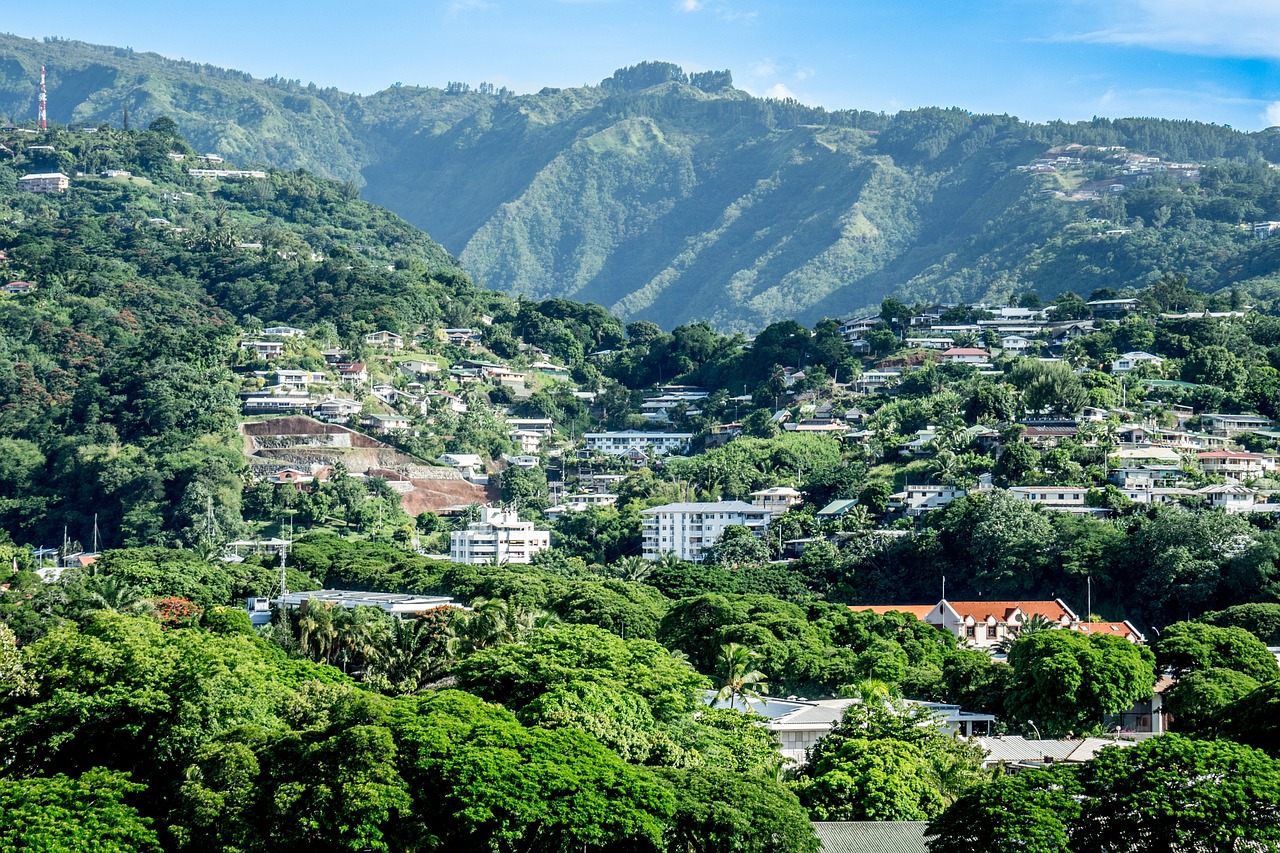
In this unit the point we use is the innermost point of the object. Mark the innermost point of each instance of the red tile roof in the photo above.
(980, 610)
(1227, 454)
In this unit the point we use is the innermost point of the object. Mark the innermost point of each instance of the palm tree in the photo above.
(112, 593)
(739, 680)
(362, 632)
(316, 630)
(408, 660)
(634, 569)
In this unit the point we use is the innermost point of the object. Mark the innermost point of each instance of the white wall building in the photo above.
(623, 442)
(498, 537)
(689, 529)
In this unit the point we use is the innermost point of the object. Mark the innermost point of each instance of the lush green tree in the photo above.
(1066, 681)
(1254, 719)
(719, 809)
(88, 813)
(1261, 620)
(1196, 702)
(1175, 793)
(518, 673)
(1190, 646)
(1030, 812)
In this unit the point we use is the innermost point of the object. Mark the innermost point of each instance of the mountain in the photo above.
(675, 197)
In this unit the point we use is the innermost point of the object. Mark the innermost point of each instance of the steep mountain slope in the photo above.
(674, 197)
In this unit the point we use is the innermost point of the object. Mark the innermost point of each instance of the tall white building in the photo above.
(498, 537)
(689, 529)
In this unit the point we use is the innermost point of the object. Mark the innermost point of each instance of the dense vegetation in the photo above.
(566, 708)
(674, 197)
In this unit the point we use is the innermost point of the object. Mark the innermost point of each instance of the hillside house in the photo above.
(1111, 309)
(1131, 360)
(1233, 425)
(384, 340)
(1234, 465)
(966, 355)
(915, 501)
(337, 409)
(264, 350)
(461, 337)
(284, 332)
(356, 372)
(19, 288)
(985, 624)
(385, 424)
(776, 500)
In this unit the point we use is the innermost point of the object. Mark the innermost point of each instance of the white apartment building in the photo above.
(689, 529)
(622, 442)
(498, 537)
(46, 182)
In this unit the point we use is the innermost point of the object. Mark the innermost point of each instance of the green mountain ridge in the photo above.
(672, 197)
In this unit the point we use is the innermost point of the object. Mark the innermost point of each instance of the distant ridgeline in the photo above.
(672, 197)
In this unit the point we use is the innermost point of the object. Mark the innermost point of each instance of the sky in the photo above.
(1208, 60)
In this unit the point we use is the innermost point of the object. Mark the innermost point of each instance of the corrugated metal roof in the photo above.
(873, 836)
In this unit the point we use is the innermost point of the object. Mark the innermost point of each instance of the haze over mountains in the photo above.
(674, 197)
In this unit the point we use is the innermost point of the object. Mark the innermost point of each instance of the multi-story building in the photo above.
(622, 442)
(46, 182)
(498, 537)
(1234, 465)
(688, 530)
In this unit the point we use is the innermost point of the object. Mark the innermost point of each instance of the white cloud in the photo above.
(690, 5)
(1271, 115)
(1245, 28)
(780, 91)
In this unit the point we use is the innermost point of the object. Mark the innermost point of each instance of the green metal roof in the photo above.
(873, 836)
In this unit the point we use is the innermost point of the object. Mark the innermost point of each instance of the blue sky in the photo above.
(1208, 60)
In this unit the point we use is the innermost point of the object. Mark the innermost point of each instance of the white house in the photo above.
(284, 332)
(385, 340)
(776, 500)
(688, 530)
(1130, 360)
(986, 623)
(498, 537)
(1236, 466)
(1232, 425)
(915, 501)
(966, 355)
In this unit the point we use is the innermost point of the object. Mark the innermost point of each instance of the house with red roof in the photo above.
(1235, 465)
(967, 355)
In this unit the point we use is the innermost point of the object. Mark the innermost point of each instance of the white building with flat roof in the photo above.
(688, 530)
(622, 442)
(498, 537)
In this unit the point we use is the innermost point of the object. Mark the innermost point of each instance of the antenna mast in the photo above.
(44, 103)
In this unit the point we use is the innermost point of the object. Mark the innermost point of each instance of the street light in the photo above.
(1032, 723)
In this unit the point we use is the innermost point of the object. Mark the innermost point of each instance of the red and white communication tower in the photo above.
(44, 103)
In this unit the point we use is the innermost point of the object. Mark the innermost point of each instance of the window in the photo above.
(970, 632)
(991, 632)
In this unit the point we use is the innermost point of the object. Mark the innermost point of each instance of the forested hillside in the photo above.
(674, 197)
